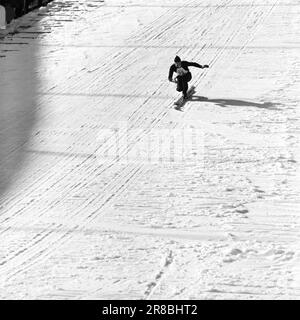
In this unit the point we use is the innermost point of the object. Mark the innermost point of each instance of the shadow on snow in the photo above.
(232, 102)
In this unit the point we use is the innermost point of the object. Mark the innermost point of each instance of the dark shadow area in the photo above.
(18, 83)
(17, 8)
(18, 101)
(237, 103)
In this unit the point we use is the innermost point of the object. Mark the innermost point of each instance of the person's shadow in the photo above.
(232, 102)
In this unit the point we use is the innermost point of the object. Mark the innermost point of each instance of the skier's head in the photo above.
(177, 61)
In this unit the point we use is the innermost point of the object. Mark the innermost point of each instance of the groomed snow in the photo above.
(107, 192)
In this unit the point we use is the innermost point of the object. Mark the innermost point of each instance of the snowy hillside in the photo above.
(108, 192)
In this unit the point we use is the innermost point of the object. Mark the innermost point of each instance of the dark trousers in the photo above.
(182, 82)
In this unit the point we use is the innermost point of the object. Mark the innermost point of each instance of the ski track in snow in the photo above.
(77, 223)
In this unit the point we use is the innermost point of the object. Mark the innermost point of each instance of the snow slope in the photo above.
(121, 196)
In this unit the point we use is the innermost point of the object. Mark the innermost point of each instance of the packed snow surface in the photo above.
(108, 192)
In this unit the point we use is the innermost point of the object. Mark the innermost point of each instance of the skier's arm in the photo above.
(171, 71)
(197, 65)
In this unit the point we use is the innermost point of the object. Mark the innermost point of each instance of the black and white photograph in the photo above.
(149, 150)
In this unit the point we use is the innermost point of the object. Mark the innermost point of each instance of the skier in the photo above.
(183, 74)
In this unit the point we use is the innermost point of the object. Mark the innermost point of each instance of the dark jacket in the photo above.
(185, 65)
